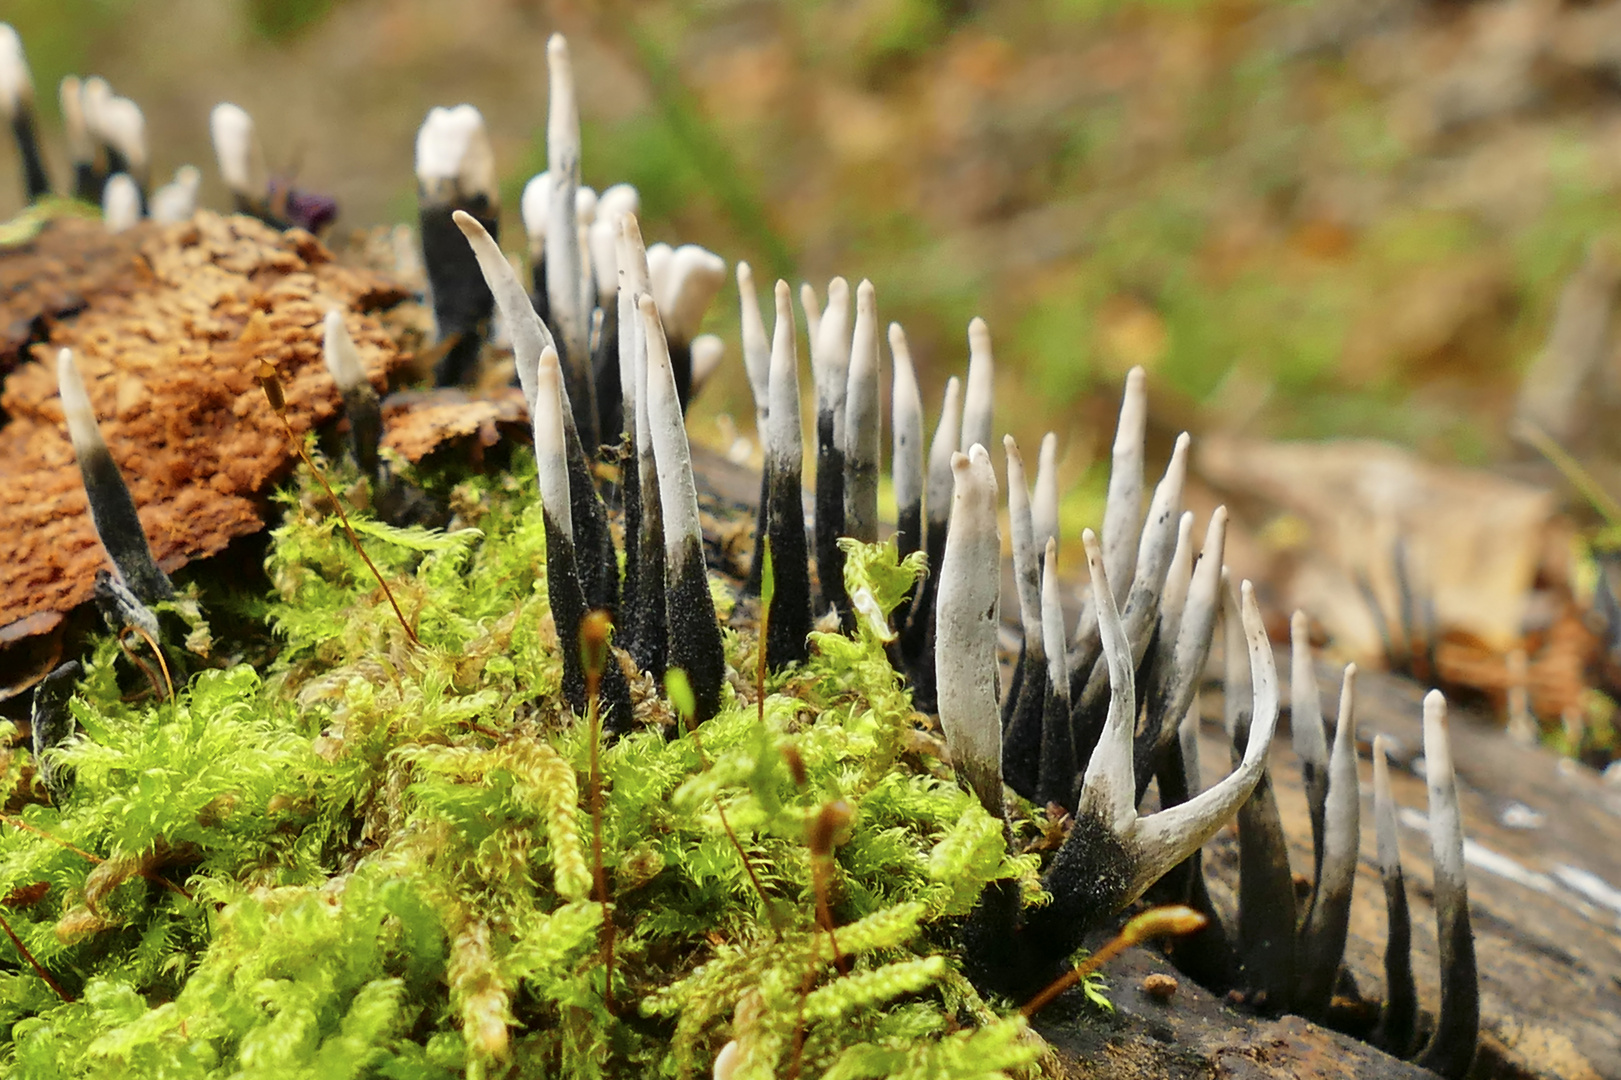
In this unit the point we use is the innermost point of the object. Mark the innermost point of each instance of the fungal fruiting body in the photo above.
(608, 346)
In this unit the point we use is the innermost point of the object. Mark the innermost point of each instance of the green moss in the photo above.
(365, 858)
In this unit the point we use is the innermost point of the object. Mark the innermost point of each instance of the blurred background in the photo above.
(1310, 219)
(1306, 219)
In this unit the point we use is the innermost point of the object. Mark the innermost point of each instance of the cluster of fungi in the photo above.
(1099, 710)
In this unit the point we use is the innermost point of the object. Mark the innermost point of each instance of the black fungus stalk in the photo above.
(563, 583)
(1306, 733)
(89, 165)
(1328, 916)
(1451, 1049)
(694, 632)
(1398, 1020)
(456, 172)
(1266, 891)
(830, 368)
(648, 621)
(51, 721)
(17, 103)
(1058, 769)
(360, 404)
(917, 644)
(111, 506)
(789, 621)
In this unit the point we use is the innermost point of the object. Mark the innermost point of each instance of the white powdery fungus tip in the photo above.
(906, 403)
(631, 262)
(16, 83)
(812, 307)
(979, 395)
(708, 353)
(830, 356)
(1446, 822)
(1044, 503)
(120, 203)
(946, 435)
(863, 425)
(81, 418)
(785, 445)
(1384, 811)
(123, 126)
(756, 346)
(176, 201)
(551, 456)
(339, 352)
(1306, 710)
(695, 279)
(1122, 515)
(237, 152)
(678, 492)
(1052, 622)
(966, 622)
(535, 205)
(529, 334)
(1026, 561)
(454, 160)
(612, 206)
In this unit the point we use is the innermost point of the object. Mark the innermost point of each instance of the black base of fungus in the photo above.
(119, 527)
(649, 628)
(751, 585)
(51, 721)
(908, 540)
(568, 606)
(681, 367)
(461, 300)
(88, 182)
(1023, 713)
(599, 561)
(1457, 1024)
(788, 624)
(1398, 1020)
(1089, 880)
(694, 632)
(1055, 777)
(829, 527)
(365, 417)
(35, 180)
(1206, 955)
(605, 374)
(1266, 903)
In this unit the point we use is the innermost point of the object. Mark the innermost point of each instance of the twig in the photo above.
(41, 972)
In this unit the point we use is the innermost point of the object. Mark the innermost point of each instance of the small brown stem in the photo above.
(1153, 923)
(162, 663)
(41, 972)
(354, 540)
(594, 650)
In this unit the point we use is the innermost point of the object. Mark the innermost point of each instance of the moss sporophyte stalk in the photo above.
(389, 850)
